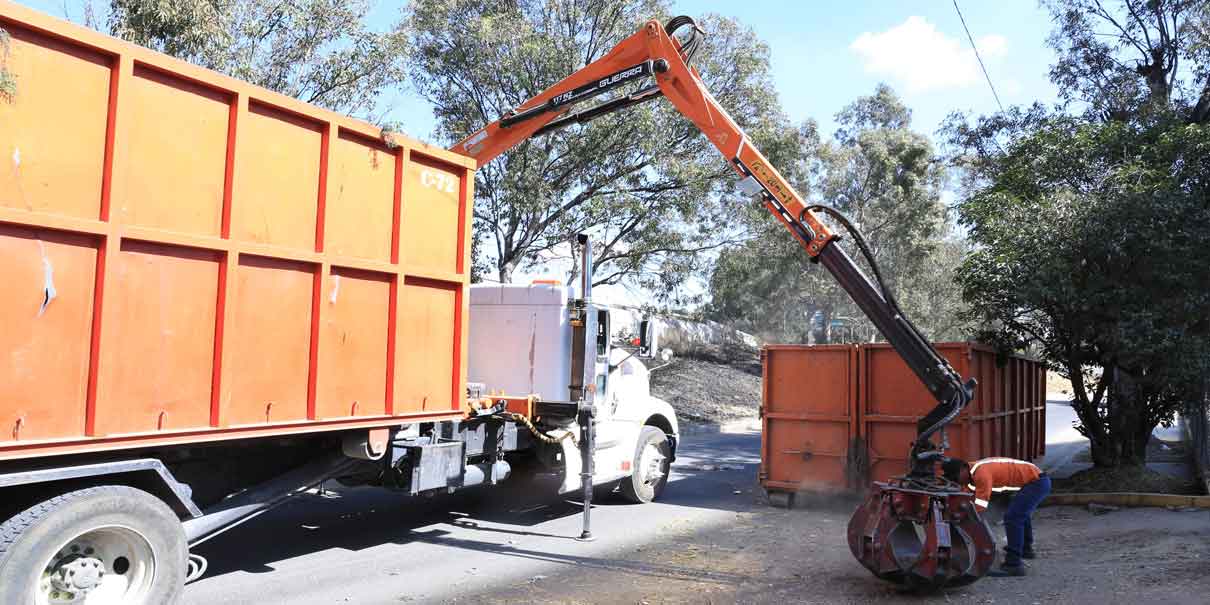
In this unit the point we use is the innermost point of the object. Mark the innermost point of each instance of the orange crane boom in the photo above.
(955, 548)
(651, 51)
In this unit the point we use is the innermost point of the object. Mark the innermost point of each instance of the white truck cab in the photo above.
(521, 343)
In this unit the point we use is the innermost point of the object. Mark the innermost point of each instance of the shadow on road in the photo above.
(641, 568)
(718, 474)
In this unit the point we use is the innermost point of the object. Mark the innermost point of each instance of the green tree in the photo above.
(884, 177)
(1088, 220)
(644, 183)
(8, 83)
(1131, 58)
(319, 51)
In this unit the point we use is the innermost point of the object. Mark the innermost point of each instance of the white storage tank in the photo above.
(520, 341)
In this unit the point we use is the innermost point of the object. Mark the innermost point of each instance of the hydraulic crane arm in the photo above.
(654, 52)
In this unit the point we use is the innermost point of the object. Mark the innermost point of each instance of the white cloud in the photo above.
(921, 58)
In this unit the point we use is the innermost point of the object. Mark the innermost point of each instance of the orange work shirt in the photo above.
(998, 475)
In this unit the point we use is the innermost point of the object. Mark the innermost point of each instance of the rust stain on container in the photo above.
(194, 223)
(837, 417)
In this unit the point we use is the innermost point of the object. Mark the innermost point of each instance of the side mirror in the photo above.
(647, 339)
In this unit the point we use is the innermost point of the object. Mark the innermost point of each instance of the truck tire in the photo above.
(651, 466)
(113, 543)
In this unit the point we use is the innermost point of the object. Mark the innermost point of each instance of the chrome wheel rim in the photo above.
(102, 566)
(651, 465)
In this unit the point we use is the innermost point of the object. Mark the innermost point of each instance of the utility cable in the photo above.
(977, 57)
(858, 239)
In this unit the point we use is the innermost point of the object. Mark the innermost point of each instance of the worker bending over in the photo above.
(1006, 474)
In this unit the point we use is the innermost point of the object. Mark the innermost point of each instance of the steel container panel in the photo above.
(885, 401)
(1007, 411)
(65, 129)
(279, 205)
(44, 357)
(190, 258)
(156, 371)
(808, 417)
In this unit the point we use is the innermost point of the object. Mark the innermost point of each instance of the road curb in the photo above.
(1128, 499)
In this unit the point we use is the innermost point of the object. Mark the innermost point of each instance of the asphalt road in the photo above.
(371, 546)
(1063, 442)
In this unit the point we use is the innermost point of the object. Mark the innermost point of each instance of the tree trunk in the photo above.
(505, 270)
(1100, 442)
(1103, 454)
(1131, 429)
(1102, 450)
(1121, 440)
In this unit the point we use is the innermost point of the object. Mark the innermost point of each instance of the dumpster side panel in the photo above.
(893, 400)
(176, 148)
(163, 317)
(190, 258)
(53, 144)
(353, 337)
(278, 206)
(808, 416)
(817, 440)
(1001, 421)
(270, 350)
(46, 355)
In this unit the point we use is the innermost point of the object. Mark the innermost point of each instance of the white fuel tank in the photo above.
(520, 341)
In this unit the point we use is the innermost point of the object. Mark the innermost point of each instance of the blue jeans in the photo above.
(1017, 519)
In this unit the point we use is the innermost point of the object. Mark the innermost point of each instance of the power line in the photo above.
(977, 57)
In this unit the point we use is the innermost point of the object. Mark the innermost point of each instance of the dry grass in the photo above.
(710, 390)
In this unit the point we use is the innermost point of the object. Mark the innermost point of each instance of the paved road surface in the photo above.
(372, 546)
(1063, 441)
(703, 543)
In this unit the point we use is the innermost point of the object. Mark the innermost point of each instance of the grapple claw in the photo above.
(922, 533)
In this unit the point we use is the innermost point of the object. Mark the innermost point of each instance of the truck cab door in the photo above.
(601, 373)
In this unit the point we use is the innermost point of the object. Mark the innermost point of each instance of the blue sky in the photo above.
(825, 54)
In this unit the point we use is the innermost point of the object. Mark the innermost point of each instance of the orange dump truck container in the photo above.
(188, 258)
(837, 417)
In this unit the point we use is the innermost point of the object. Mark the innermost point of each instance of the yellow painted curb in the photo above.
(1129, 499)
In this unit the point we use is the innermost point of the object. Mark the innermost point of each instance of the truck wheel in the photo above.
(100, 545)
(651, 467)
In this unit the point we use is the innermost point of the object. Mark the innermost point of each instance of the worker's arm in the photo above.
(983, 488)
(654, 52)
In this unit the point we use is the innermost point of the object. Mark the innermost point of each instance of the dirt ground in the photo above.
(780, 556)
(1142, 480)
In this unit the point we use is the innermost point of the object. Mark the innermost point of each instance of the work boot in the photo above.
(1029, 553)
(1008, 571)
